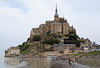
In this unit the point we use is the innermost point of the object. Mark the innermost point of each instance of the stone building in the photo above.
(57, 26)
(13, 51)
(65, 48)
(88, 42)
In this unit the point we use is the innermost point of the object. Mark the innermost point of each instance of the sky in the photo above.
(18, 17)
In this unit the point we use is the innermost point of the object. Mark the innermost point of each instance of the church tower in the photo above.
(56, 16)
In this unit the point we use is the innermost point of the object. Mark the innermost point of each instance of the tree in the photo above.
(36, 38)
(72, 39)
(72, 36)
(51, 41)
(77, 42)
(23, 47)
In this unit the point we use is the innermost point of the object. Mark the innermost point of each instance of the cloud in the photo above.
(12, 14)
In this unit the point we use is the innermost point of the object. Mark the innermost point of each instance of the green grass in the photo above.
(91, 59)
(92, 53)
(78, 54)
(28, 51)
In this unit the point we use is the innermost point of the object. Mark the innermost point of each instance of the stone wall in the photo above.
(66, 48)
(52, 53)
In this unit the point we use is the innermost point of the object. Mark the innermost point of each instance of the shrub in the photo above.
(23, 47)
(36, 38)
(77, 42)
(51, 41)
(72, 36)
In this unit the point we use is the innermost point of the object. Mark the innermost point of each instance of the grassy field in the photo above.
(91, 59)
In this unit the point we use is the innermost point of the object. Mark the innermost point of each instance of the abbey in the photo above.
(57, 26)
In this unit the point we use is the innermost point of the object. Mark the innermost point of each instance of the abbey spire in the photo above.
(56, 13)
(56, 9)
(56, 16)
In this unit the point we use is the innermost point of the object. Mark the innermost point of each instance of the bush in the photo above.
(82, 41)
(59, 36)
(77, 42)
(23, 47)
(36, 38)
(50, 49)
(56, 36)
(26, 46)
(72, 36)
(72, 39)
(51, 41)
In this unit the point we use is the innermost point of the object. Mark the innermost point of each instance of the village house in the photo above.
(13, 51)
(64, 48)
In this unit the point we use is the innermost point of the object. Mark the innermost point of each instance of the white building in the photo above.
(86, 48)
